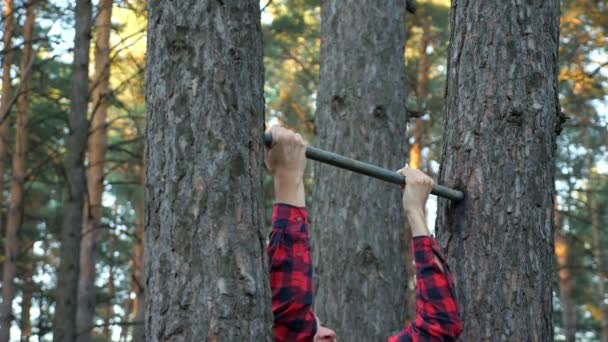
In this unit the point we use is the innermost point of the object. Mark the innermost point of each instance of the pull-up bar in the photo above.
(368, 169)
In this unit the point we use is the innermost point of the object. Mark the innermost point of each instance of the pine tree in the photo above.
(502, 116)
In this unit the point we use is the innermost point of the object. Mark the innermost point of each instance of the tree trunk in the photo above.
(95, 174)
(594, 213)
(26, 301)
(415, 162)
(138, 277)
(15, 212)
(361, 276)
(107, 310)
(5, 100)
(68, 274)
(499, 147)
(206, 265)
(565, 279)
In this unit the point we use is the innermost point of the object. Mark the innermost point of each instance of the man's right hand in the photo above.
(418, 186)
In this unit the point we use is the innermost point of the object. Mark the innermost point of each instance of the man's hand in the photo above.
(416, 192)
(286, 161)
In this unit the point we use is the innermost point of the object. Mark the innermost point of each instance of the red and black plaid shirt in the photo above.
(292, 295)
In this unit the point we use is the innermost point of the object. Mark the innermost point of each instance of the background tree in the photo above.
(502, 118)
(206, 270)
(15, 210)
(91, 229)
(68, 273)
(361, 108)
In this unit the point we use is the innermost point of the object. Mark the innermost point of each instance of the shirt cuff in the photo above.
(425, 250)
(289, 217)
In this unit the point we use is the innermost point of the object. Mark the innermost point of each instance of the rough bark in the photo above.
(358, 240)
(91, 232)
(502, 115)
(206, 265)
(15, 211)
(64, 324)
(7, 61)
(565, 279)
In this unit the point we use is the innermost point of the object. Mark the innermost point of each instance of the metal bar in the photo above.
(368, 169)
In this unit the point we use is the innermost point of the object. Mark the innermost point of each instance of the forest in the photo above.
(135, 205)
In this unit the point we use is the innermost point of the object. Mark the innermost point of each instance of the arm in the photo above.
(291, 274)
(288, 248)
(437, 316)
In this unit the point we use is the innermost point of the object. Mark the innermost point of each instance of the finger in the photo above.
(299, 139)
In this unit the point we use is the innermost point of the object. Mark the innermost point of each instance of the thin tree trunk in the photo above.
(5, 100)
(499, 147)
(138, 276)
(361, 276)
(95, 174)
(108, 312)
(565, 279)
(68, 274)
(26, 301)
(15, 212)
(594, 213)
(206, 267)
(415, 161)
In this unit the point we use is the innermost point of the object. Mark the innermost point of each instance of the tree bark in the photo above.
(358, 240)
(15, 212)
(68, 274)
(499, 147)
(91, 232)
(565, 279)
(206, 265)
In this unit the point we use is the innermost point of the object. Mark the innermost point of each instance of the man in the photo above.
(291, 265)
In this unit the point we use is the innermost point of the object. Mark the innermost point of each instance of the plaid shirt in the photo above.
(292, 295)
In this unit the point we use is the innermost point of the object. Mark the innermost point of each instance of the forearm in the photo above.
(291, 274)
(437, 311)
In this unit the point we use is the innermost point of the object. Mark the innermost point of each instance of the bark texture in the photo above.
(357, 223)
(64, 324)
(15, 210)
(499, 147)
(206, 265)
(91, 230)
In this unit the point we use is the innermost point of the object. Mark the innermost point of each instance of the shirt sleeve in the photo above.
(437, 317)
(291, 275)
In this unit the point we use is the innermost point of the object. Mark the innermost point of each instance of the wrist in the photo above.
(417, 221)
(289, 190)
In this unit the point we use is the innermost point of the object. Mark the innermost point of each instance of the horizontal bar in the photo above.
(368, 169)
